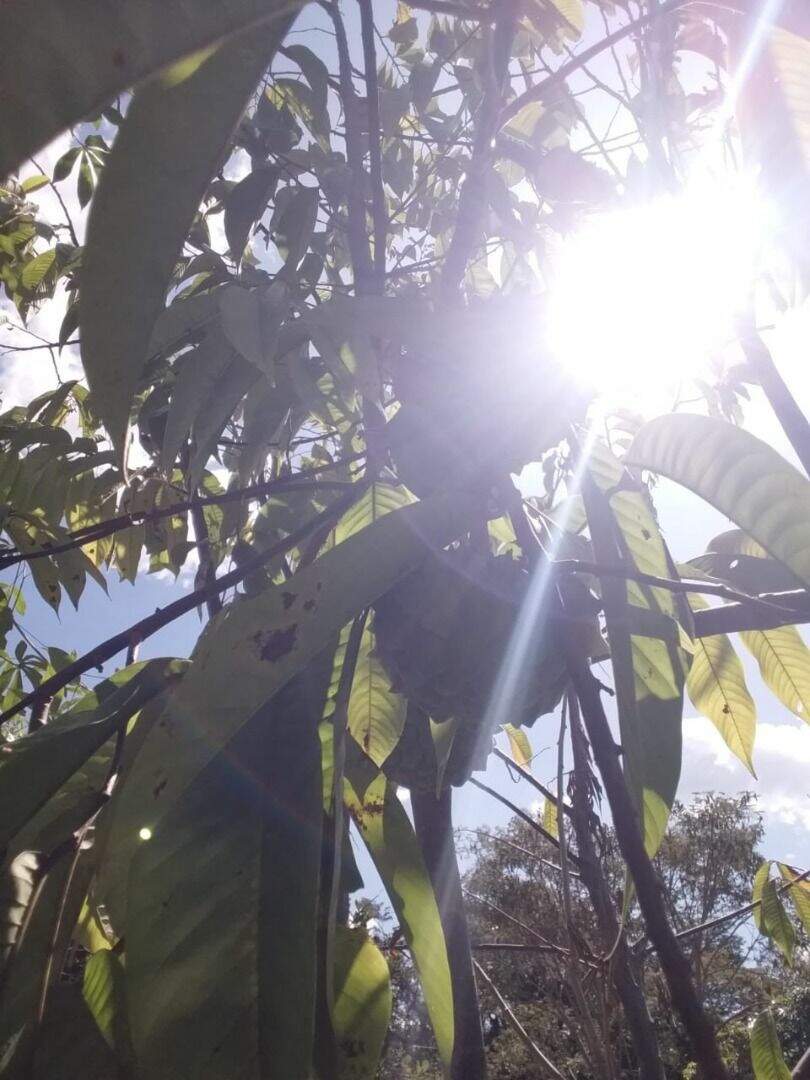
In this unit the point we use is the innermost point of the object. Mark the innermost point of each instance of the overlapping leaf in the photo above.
(164, 156)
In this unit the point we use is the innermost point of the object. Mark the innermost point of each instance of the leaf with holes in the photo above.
(716, 686)
(255, 646)
(363, 1002)
(376, 713)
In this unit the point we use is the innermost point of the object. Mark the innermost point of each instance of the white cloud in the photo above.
(781, 759)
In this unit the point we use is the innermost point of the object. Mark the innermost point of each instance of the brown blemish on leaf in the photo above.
(119, 58)
(159, 787)
(309, 605)
(288, 599)
(273, 644)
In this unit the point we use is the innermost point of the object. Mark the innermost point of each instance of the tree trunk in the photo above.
(434, 830)
(625, 978)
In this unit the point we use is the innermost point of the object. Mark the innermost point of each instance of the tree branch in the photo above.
(90, 533)
(163, 616)
(378, 211)
(538, 828)
(356, 235)
(734, 618)
(790, 416)
(543, 88)
(527, 776)
(532, 1046)
(473, 200)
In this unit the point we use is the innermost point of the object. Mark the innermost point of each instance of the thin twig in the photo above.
(163, 616)
(527, 776)
(516, 1024)
(379, 215)
(538, 828)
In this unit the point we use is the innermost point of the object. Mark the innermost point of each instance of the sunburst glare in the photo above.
(642, 297)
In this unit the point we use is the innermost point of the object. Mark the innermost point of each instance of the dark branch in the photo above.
(734, 618)
(163, 616)
(378, 211)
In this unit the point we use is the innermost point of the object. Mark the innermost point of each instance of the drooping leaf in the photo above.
(254, 647)
(550, 817)
(784, 662)
(519, 745)
(221, 962)
(245, 204)
(766, 1053)
(33, 768)
(740, 476)
(166, 151)
(647, 641)
(105, 996)
(18, 880)
(760, 879)
(388, 834)
(776, 922)
(716, 686)
(376, 714)
(93, 53)
(198, 373)
(799, 894)
(363, 1001)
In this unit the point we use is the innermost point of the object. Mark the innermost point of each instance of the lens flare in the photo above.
(644, 297)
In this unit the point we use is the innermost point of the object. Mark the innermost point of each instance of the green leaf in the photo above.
(648, 657)
(245, 204)
(18, 880)
(293, 231)
(739, 475)
(33, 768)
(162, 159)
(105, 996)
(776, 923)
(716, 686)
(766, 1053)
(784, 662)
(376, 714)
(257, 645)
(196, 382)
(95, 52)
(380, 499)
(35, 271)
(363, 1002)
(251, 323)
(223, 900)
(34, 183)
(388, 834)
(550, 817)
(519, 746)
(799, 894)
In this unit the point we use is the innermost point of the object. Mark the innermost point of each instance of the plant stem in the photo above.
(648, 888)
(625, 980)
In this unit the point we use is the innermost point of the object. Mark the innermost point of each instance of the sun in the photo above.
(644, 297)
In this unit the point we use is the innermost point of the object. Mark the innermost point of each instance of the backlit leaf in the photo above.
(766, 1053)
(163, 157)
(739, 475)
(784, 662)
(363, 1001)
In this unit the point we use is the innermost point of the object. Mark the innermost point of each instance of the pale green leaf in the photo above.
(760, 880)
(389, 837)
(34, 272)
(519, 746)
(156, 174)
(716, 686)
(739, 475)
(784, 662)
(376, 714)
(799, 894)
(363, 1001)
(776, 923)
(550, 817)
(105, 996)
(766, 1053)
